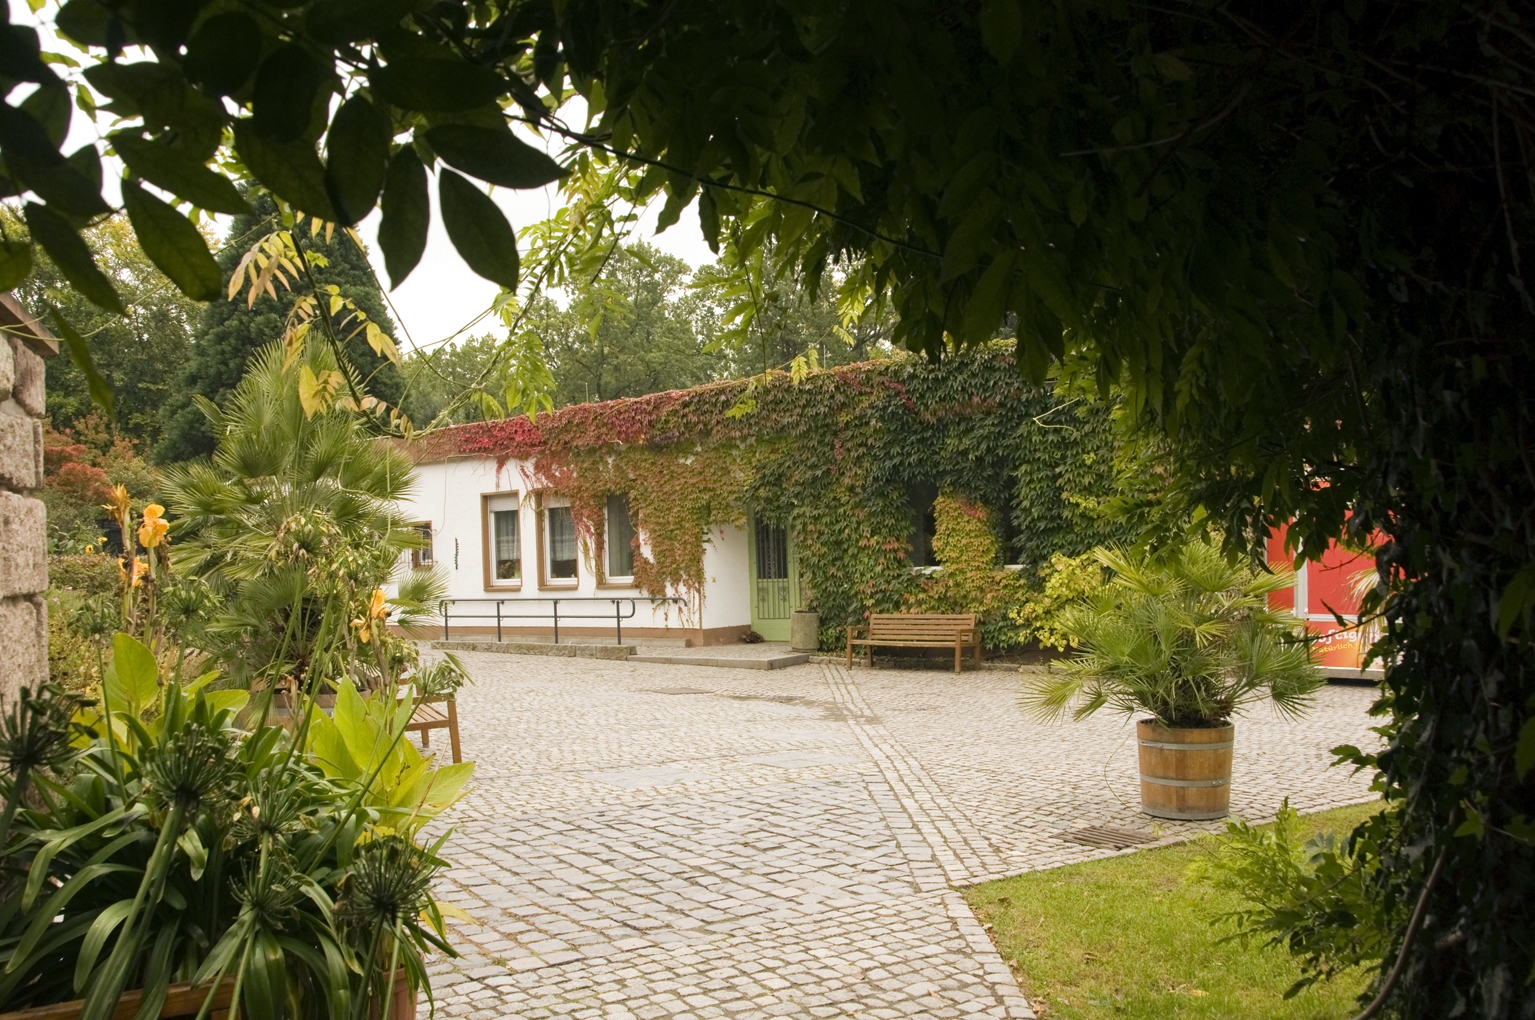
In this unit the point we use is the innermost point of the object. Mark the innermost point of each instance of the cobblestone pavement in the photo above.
(648, 840)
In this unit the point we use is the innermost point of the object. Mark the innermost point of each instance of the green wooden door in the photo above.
(774, 591)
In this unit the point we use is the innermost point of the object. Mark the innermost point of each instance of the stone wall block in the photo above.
(28, 388)
(23, 546)
(7, 369)
(21, 453)
(24, 636)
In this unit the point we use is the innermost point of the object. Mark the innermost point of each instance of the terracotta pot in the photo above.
(402, 1001)
(1185, 772)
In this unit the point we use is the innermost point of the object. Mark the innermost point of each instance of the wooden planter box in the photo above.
(180, 1001)
(186, 1001)
(1185, 773)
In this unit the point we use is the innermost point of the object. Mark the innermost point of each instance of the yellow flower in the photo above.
(377, 609)
(152, 531)
(364, 630)
(139, 567)
(119, 505)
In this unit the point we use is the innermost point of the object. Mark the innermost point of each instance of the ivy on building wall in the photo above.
(832, 456)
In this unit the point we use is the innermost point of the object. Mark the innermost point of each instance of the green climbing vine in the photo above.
(1026, 476)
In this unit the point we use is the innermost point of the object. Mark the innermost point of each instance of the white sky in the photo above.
(442, 295)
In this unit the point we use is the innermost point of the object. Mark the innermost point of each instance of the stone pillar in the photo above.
(23, 537)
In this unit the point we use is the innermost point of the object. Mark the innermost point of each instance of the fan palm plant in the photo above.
(1188, 638)
(293, 523)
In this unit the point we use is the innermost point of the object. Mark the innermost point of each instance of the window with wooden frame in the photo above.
(619, 541)
(502, 540)
(558, 544)
(421, 558)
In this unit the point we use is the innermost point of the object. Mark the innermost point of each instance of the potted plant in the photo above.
(1189, 639)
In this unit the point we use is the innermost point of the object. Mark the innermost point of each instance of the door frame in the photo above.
(772, 630)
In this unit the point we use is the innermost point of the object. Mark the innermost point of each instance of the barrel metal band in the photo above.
(1184, 782)
(1220, 746)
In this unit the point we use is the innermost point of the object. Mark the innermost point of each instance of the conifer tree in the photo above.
(231, 332)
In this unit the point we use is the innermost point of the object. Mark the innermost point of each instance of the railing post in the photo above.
(618, 622)
(443, 605)
(556, 620)
(498, 621)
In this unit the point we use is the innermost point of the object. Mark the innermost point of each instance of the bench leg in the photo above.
(871, 657)
(959, 651)
(426, 737)
(850, 653)
(458, 754)
(977, 653)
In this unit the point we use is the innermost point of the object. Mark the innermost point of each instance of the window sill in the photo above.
(509, 586)
(618, 582)
(561, 585)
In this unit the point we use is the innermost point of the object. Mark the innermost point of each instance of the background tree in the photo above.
(137, 353)
(633, 330)
(232, 331)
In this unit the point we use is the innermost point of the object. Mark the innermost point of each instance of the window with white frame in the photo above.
(560, 540)
(504, 540)
(620, 539)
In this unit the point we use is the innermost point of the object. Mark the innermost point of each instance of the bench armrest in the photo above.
(857, 631)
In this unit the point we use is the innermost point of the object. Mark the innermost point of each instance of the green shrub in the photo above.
(1310, 898)
(87, 573)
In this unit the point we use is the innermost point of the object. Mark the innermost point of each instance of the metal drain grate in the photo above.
(1109, 837)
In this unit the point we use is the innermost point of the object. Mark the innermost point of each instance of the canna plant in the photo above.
(169, 834)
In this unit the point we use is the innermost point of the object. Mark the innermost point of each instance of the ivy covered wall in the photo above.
(834, 455)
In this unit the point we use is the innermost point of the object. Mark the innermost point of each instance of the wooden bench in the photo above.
(917, 630)
(437, 714)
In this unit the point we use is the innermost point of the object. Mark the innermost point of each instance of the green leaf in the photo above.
(177, 172)
(407, 213)
(86, 21)
(988, 302)
(15, 263)
(50, 106)
(80, 354)
(357, 158)
(283, 97)
(224, 52)
(478, 230)
(21, 56)
(101, 928)
(132, 681)
(709, 219)
(191, 844)
(71, 255)
(334, 22)
(1524, 754)
(36, 162)
(1517, 598)
(173, 244)
(1001, 28)
(157, 92)
(436, 85)
(291, 170)
(496, 157)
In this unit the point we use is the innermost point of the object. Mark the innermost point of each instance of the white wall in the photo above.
(448, 496)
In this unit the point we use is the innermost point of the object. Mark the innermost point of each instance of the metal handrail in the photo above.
(618, 616)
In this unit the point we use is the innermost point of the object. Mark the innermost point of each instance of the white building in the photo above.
(511, 551)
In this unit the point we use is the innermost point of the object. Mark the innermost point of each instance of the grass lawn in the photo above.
(1131, 937)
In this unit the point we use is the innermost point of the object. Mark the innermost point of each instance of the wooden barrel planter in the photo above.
(1185, 773)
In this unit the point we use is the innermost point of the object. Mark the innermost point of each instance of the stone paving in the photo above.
(649, 840)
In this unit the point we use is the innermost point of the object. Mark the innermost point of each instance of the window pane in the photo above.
(772, 552)
(620, 542)
(507, 552)
(422, 557)
(562, 542)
